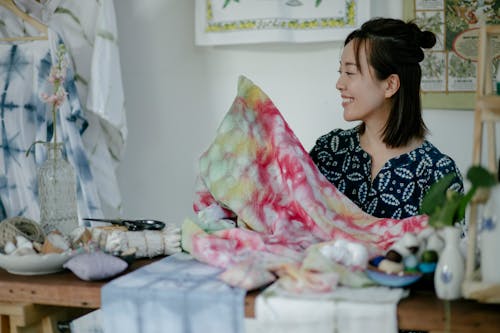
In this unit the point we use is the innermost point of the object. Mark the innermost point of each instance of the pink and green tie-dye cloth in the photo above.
(259, 173)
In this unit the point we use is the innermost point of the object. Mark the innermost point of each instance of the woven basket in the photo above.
(20, 226)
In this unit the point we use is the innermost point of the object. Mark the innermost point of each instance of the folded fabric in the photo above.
(89, 323)
(175, 294)
(258, 172)
(371, 309)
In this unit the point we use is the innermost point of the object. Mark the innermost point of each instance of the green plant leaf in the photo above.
(462, 207)
(444, 206)
(436, 196)
(481, 177)
(445, 215)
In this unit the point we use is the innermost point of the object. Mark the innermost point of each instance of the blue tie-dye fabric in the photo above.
(25, 118)
(177, 294)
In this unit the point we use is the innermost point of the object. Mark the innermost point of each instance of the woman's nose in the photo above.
(339, 85)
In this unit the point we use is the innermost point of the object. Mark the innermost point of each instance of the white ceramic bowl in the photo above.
(34, 264)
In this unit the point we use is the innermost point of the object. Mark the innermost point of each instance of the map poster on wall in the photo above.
(222, 22)
(449, 68)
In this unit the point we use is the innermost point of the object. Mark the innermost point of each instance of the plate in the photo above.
(34, 264)
(392, 280)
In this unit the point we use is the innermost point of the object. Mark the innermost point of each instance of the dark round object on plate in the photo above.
(429, 256)
(393, 256)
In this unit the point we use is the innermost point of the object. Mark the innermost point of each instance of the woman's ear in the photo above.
(392, 85)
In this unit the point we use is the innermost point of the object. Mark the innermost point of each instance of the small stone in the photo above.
(410, 262)
(390, 267)
(393, 255)
(376, 261)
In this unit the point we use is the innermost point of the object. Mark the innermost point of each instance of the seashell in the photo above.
(80, 236)
(23, 251)
(55, 243)
(406, 245)
(37, 247)
(23, 242)
(400, 248)
(411, 242)
(9, 247)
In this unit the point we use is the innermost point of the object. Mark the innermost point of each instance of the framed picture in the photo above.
(223, 22)
(449, 68)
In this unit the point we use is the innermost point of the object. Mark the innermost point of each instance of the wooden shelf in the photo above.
(490, 103)
(481, 291)
(487, 114)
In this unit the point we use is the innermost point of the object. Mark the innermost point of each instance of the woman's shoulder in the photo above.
(435, 156)
(440, 164)
(339, 139)
(343, 135)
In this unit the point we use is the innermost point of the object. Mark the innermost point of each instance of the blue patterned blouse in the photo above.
(398, 188)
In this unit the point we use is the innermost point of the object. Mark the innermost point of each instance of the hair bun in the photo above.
(427, 39)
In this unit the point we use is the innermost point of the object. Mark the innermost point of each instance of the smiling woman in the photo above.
(385, 164)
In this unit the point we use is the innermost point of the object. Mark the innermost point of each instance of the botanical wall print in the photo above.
(248, 21)
(449, 70)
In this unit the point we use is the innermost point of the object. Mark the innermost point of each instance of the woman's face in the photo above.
(363, 96)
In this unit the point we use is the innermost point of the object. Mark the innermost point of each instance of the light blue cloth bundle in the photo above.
(175, 294)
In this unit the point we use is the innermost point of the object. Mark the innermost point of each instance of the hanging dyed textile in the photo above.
(26, 118)
(89, 31)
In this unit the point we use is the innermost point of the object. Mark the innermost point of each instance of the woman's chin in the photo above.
(349, 116)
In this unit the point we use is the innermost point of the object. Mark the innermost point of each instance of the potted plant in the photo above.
(445, 208)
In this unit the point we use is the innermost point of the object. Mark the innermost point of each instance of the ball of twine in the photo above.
(20, 226)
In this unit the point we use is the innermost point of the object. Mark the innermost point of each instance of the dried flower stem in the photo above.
(57, 77)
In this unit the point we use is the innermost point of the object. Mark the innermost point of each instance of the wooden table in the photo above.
(36, 303)
(33, 297)
(422, 311)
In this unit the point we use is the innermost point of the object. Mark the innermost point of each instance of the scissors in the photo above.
(133, 225)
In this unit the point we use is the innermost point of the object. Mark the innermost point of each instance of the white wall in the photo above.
(177, 93)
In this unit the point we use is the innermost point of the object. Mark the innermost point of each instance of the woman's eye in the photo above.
(346, 73)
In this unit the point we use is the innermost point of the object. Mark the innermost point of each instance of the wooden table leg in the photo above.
(27, 318)
(4, 324)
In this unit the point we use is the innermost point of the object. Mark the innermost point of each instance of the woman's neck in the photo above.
(372, 142)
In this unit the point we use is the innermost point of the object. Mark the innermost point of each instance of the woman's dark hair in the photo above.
(393, 46)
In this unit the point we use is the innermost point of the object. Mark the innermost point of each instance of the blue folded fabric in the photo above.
(174, 294)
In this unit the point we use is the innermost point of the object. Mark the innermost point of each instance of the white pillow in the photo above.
(95, 266)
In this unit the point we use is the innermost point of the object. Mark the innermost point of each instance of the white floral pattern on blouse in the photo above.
(399, 187)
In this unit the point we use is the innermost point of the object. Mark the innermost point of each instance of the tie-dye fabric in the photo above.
(257, 170)
(25, 118)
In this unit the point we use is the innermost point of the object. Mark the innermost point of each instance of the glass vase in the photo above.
(57, 192)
